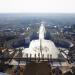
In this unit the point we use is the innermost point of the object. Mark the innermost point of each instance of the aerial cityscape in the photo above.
(37, 44)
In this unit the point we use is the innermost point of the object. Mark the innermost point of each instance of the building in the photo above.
(42, 48)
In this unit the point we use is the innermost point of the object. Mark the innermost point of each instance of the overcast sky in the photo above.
(37, 6)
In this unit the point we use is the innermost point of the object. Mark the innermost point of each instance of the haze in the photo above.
(37, 6)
